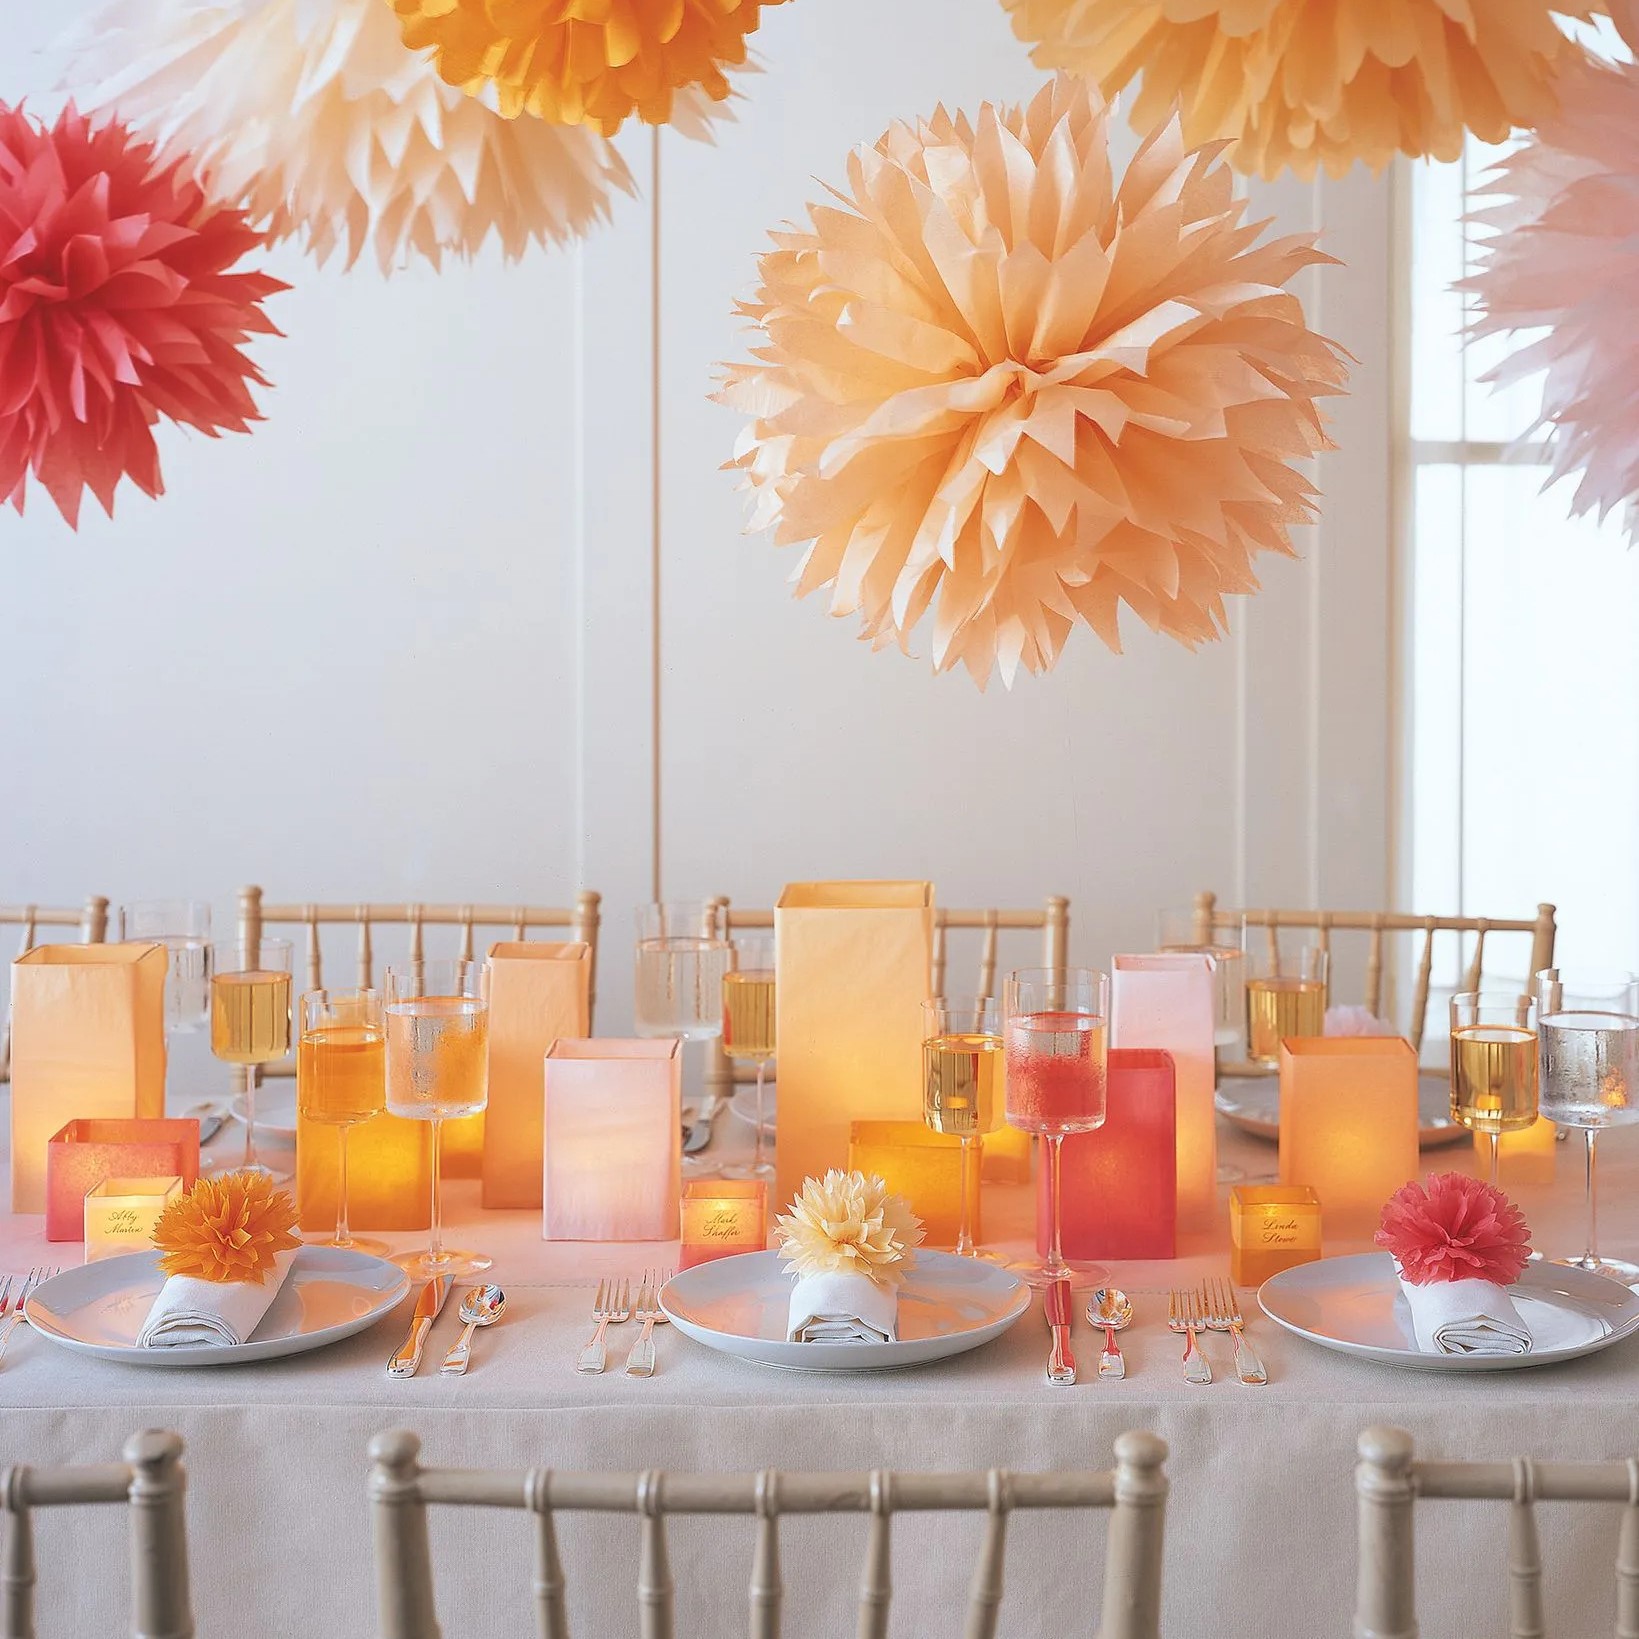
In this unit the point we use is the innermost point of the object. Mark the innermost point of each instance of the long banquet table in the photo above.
(1260, 1528)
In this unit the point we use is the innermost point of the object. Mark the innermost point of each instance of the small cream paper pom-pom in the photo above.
(849, 1224)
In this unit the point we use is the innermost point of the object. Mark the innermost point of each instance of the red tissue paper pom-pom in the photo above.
(1455, 1228)
(116, 308)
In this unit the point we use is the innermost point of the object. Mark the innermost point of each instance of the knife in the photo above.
(427, 1308)
(1061, 1367)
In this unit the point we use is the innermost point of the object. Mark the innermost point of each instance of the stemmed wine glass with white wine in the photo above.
(1285, 992)
(962, 1086)
(250, 1018)
(748, 1033)
(1493, 1064)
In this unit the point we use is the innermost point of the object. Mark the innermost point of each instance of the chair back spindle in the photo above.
(985, 1594)
(767, 1590)
(654, 1570)
(876, 1579)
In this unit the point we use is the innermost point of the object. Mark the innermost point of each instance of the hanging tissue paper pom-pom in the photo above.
(116, 308)
(1304, 82)
(1565, 262)
(312, 116)
(227, 1228)
(1000, 384)
(592, 62)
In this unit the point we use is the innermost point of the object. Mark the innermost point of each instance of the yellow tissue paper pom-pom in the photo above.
(225, 1229)
(849, 1224)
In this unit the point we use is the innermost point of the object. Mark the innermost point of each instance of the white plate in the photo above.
(744, 1105)
(740, 1306)
(330, 1293)
(1252, 1103)
(275, 1109)
(1354, 1305)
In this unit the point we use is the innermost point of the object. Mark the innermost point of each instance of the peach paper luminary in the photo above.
(613, 1140)
(1524, 1157)
(923, 1166)
(1120, 1183)
(87, 1153)
(389, 1173)
(87, 1040)
(1169, 1002)
(120, 1214)
(1348, 1123)
(723, 1217)
(851, 962)
(1271, 1227)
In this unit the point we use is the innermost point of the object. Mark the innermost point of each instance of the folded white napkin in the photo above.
(189, 1312)
(1466, 1317)
(842, 1309)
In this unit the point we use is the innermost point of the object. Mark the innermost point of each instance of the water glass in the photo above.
(961, 1077)
(250, 1018)
(748, 1031)
(1493, 1063)
(681, 959)
(183, 927)
(1285, 992)
(341, 1079)
(437, 1016)
(1588, 1067)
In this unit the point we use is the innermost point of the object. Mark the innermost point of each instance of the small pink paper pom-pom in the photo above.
(1454, 1228)
(1356, 1021)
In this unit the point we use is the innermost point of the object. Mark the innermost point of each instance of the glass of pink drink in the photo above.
(1056, 1047)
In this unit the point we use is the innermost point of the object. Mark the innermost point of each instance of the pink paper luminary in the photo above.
(1120, 1183)
(723, 1217)
(613, 1143)
(88, 1153)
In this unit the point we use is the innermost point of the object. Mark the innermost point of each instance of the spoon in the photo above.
(1112, 1309)
(482, 1306)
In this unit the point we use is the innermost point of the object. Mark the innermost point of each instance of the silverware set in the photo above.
(613, 1306)
(481, 1306)
(12, 1317)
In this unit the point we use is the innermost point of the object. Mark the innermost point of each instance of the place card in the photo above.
(1271, 1227)
(120, 1214)
(723, 1217)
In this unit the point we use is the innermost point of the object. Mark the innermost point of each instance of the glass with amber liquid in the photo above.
(748, 1032)
(250, 1019)
(1285, 993)
(341, 1079)
(1493, 1064)
(962, 1086)
(437, 1033)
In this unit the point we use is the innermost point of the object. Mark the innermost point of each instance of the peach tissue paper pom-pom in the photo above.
(227, 1229)
(1454, 1227)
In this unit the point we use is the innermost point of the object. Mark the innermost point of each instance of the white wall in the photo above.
(402, 641)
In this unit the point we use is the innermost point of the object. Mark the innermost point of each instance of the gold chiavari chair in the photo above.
(1215, 926)
(92, 921)
(579, 923)
(153, 1483)
(1052, 920)
(400, 1491)
(1389, 1483)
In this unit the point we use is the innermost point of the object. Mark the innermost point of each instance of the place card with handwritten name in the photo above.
(721, 1217)
(120, 1214)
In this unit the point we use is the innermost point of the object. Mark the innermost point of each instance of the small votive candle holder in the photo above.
(722, 1217)
(1271, 1227)
(120, 1214)
(86, 1152)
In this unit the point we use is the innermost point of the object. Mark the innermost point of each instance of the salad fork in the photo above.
(1222, 1313)
(1183, 1315)
(640, 1362)
(15, 1317)
(611, 1307)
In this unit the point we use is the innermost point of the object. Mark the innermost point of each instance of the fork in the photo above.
(16, 1317)
(611, 1306)
(1183, 1315)
(1222, 1313)
(640, 1362)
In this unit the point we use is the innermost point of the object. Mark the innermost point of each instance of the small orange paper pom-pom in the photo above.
(227, 1229)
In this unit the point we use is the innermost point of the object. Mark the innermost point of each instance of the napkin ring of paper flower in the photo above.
(227, 1230)
(849, 1223)
(1455, 1228)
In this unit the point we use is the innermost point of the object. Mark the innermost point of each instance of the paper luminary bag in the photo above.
(538, 993)
(87, 1042)
(389, 1173)
(924, 1167)
(851, 963)
(1169, 1002)
(1119, 1184)
(613, 1140)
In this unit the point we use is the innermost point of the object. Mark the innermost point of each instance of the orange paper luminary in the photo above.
(1348, 1124)
(1007, 1156)
(613, 1140)
(1271, 1227)
(851, 962)
(1169, 1003)
(1524, 1157)
(723, 1217)
(87, 1153)
(87, 1041)
(1120, 1183)
(538, 993)
(923, 1166)
(389, 1173)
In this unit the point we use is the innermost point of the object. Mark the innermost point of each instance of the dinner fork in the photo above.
(1221, 1310)
(16, 1317)
(611, 1306)
(1183, 1315)
(640, 1362)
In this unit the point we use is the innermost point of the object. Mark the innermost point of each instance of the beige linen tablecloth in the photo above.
(1260, 1534)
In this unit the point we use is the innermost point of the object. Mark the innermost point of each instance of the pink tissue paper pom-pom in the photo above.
(1455, 1228)
(1356, 1021)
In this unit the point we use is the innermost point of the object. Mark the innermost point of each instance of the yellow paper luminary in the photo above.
(1524, 1157)
(120, 1214)
(923, 1166)
(389, 1173)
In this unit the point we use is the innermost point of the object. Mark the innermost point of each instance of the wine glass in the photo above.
(250, 1018)
(1179, 930)
(341, 1079)
(681, 960)
(1588, 1058)
(183, 927)
(437, 1070)
(1285, 993)
(961, 1067)
(1056, 1055)
(748, 1031)
(1493, 1064)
